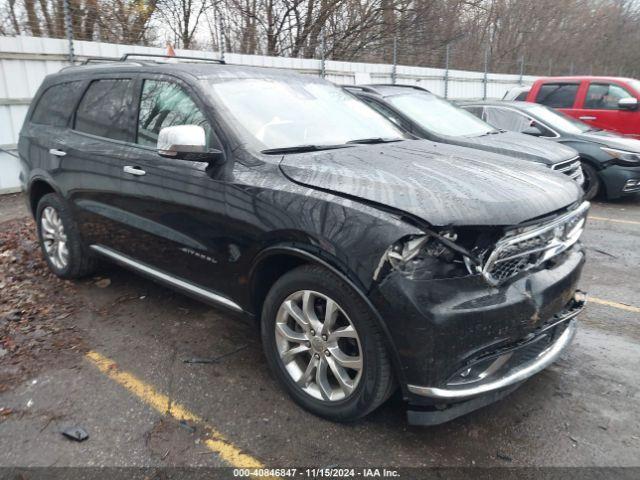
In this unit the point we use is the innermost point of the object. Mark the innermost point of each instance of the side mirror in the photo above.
(186, 142)
(533, 131)
(628, 103)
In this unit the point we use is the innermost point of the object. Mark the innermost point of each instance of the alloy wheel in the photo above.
(318, 346)
(54, 238)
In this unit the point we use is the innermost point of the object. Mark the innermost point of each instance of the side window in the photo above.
(557, 95)
(477, 111)
(505, 119)
(104, 109)
(165, 104)
(386, 112)
(56, 104)
(604, 96)
(522, 96)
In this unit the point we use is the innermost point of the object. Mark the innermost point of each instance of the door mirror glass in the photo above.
(628, 103)
(186, 142)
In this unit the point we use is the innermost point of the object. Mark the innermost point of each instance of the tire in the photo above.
(68, 258)
(362, 390)
(591, 181)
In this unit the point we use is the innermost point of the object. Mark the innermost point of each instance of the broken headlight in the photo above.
(434, 255)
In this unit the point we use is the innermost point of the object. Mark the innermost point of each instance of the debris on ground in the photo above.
(215, 359)
(503, 456)
(103, 282)
(78, 434)
(32, 303)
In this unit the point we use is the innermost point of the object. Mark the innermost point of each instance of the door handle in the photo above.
(56, 152)
(588, 117)
(133, 170)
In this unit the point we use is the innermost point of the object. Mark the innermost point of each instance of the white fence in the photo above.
(25, 61)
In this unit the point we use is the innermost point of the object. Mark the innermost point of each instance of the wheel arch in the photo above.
(38, 188)
(287, 257)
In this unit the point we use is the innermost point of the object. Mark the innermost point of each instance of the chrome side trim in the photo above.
(165, 277)
(516, 375)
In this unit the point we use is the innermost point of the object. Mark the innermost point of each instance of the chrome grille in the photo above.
(571, 168)
(534, 245)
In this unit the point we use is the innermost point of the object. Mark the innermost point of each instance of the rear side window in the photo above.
(104, 109)
(165, 104)
(56, 104)
(506, 119)
(557, 95)
(522, 96)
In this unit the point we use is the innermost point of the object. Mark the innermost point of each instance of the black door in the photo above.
(176, 208)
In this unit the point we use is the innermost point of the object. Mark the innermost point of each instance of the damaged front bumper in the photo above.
(507, 368)
(463, 343)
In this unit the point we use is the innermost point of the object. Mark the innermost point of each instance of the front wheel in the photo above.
(324, 346)
(591, 181)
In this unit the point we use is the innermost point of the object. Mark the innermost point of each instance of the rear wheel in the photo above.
(591, 181)
(60, 241)
(323, 345)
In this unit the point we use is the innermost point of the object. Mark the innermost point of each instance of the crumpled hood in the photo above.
(442, 184)
(612, 140)
(519, 145)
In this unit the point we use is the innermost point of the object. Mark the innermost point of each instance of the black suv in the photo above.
(367, 260)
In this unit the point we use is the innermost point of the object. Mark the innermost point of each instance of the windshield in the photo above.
(559, 120)
(439, 116)
(277, 114)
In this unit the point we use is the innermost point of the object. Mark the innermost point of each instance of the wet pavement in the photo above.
(582, 411)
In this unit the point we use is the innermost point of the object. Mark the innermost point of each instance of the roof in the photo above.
(386, 89)
(574, 78)
(197, 69)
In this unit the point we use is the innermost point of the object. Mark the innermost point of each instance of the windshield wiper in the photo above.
(375, 140)
(301, 149)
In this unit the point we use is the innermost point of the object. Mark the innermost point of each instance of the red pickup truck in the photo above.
(608, 103)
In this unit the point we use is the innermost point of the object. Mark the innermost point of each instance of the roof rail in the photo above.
(415, 87)
(371, 88)
(364, 88)
(126, 57)
(89, 60)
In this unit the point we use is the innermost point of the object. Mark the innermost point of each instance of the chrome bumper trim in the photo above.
(516, 375)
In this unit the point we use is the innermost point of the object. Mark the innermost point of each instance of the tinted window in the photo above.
(604, 96)
(522, 96)
(477, 111)
(557, 95)
(104, 109)
(506, 119)
(165, 104)
(56, 104)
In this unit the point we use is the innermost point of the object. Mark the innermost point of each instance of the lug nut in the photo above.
(313, 332)
(307, 344)
(317, 355)
(327, 353)
(324, 337)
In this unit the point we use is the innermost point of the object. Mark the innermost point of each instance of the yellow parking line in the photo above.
(218, 444)
(609, 303)
(606, 219)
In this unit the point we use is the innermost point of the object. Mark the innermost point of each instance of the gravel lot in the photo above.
(106, 353)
